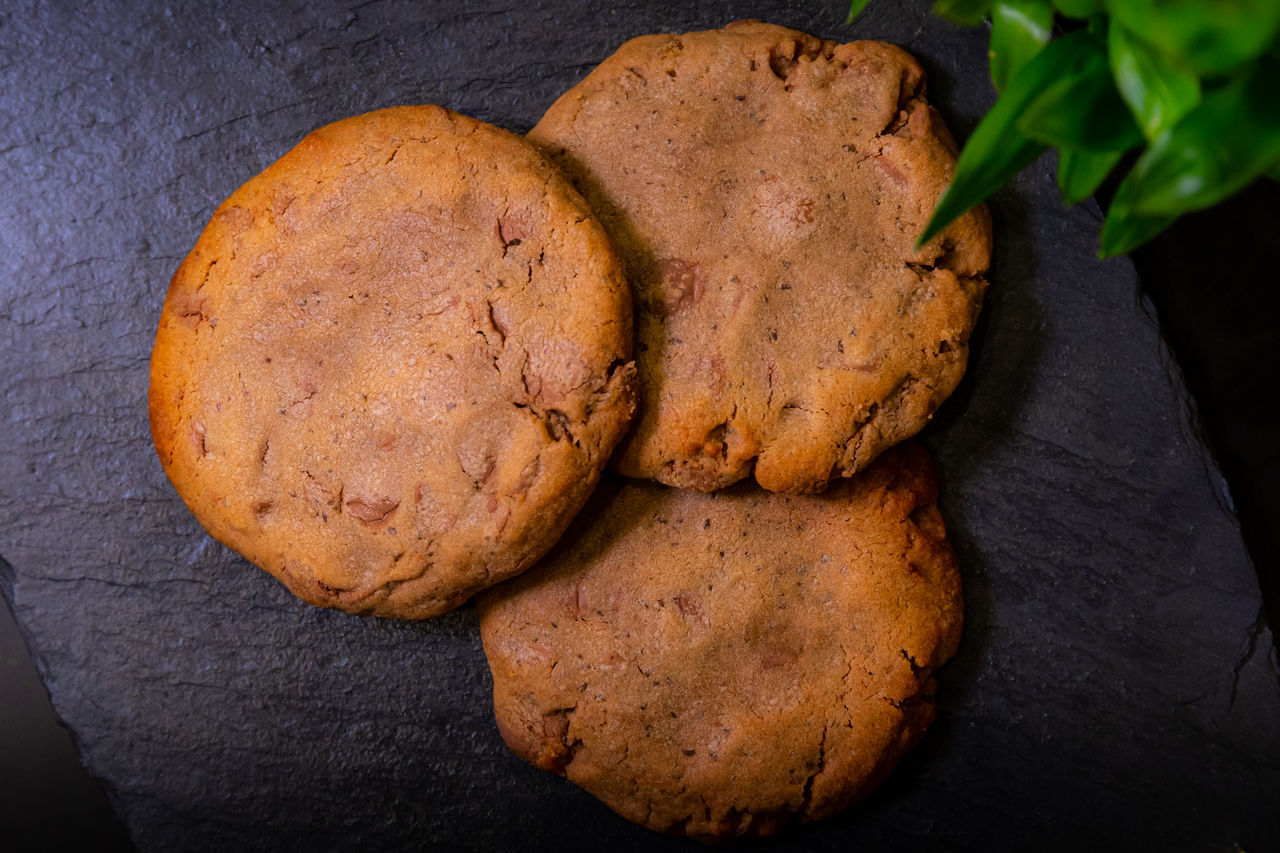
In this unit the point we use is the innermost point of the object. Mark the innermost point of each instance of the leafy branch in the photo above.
(1181, 95)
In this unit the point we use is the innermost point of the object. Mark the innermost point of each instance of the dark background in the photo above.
(1213, 282)
(126, 124)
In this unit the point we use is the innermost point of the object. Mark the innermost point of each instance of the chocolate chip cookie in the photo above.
(766, 189)
(395, 362)
(716, 664)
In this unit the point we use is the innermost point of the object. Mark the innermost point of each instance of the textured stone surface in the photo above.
(1113, 687)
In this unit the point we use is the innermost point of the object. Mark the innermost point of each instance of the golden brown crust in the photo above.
(393, 365)
(714, 664)
(766, 189)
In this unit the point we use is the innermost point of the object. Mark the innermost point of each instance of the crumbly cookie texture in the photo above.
(714, 665)
(395, 363)
(766, 189)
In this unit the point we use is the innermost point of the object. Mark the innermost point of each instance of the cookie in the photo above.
(394, 364)
(766, 189)
(716, 664)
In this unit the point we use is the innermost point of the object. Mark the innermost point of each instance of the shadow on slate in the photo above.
(1113, 689)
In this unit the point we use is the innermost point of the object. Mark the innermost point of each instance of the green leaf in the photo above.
(1217, 149)
(967, 13)
(1274, 172)
(997, 150)
(1019, 28)
(1124, 232)
(1079, 8)
(855, 8)
(1210, 37)
(1081, 172)
(1158, 92)
(1082, 110)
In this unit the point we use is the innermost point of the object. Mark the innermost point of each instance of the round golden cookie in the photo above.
(395, 362)
(766, 189)
(716, 664)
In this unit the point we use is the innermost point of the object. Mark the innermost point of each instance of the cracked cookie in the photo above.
(766, 189)
(395, 363)
(716, 664)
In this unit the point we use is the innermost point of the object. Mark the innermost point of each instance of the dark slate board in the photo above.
(1114, 687)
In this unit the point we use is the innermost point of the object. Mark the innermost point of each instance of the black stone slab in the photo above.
(1116, 686)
